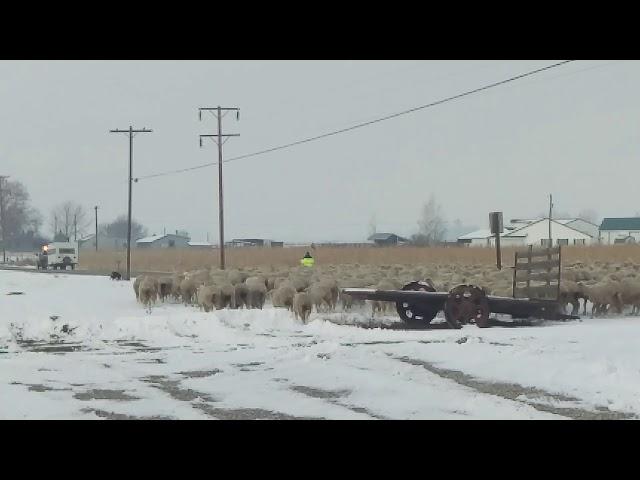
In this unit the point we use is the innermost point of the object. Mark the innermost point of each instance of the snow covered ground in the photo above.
(74, 347)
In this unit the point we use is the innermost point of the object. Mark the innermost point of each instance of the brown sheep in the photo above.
(242, 292)
(207, 296)
(321, 297)
(378, 306)
(256, 280)
(165, 287)
(136, 286)
(302, 306)
(148, 292)
(188, 288)
(176, 279)
(300, 283)
(332, 285)
(630, 294)
(235, 276)
(283, 297)
(604, 296)
(227, 297)
(256, 295)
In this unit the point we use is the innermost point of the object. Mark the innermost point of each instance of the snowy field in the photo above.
(80, 347)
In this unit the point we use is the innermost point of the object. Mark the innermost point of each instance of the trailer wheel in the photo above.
(467, 303)
(416, 314)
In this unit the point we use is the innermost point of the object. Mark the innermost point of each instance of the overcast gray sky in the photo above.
(573, 131)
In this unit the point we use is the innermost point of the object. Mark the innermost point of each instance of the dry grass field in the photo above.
(169, 260)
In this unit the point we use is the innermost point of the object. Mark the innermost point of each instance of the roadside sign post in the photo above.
(495, 223)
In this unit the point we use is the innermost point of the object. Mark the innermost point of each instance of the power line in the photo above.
(363, 124)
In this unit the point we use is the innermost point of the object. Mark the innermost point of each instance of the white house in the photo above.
(536, 232)
(168, 240)
(619, 230)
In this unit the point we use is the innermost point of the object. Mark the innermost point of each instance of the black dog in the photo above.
(116, 276)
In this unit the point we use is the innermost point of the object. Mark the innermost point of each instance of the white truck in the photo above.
(58, 255)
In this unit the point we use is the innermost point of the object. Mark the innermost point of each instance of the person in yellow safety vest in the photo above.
(307, 260)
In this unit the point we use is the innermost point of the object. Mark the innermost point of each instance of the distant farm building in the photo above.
(387, 239)
(200, 245)
(573, 231)
(168, 240)
(254, 242)
(105, 242)
(620, 230)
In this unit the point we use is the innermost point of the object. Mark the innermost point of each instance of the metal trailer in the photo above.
(536, 294)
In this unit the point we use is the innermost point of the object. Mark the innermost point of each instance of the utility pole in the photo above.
(75, 227)
(131, 132)
(220, 139)
(2, 219)
(550, 209)
(96, 209)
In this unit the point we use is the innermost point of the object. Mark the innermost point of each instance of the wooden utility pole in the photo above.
(131, 132)
(75, 227)
(2, 219)
(550, 209)
(96, 209)
(220, 139)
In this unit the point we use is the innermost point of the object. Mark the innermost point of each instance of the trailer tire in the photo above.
(417, 315)
(467, 303)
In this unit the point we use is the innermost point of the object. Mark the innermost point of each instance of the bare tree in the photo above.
(19, 216)
(589, 215)
(69, 219)
(373, 227)
(20, 219)
(432, 227)
(118, 228)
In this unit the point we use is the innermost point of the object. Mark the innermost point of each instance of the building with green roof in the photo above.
(620, 230)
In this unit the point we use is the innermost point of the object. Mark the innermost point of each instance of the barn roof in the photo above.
(628, 223)
(150, 239)
(564, 223)
(386, 236)
(199, 244)
(482, 233)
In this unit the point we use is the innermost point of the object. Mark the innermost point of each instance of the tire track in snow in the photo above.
(334, 396)
(206, 403)
(515, 393)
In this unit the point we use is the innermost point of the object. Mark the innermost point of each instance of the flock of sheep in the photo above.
(298, 291)
(609, 287)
